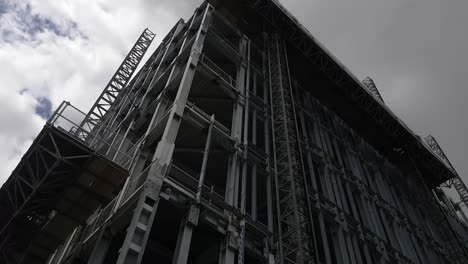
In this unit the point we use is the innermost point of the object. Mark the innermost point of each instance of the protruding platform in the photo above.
(58, 184)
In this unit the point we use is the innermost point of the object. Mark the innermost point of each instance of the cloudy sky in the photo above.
(415, 50)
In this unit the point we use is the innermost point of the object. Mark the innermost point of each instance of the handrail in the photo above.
(217, 70)
(100, 138)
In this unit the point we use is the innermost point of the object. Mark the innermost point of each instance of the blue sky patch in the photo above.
(43, 107)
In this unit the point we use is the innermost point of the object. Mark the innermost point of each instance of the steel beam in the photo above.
(188, 223)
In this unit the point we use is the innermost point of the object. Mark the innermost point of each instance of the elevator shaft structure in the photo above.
(293, 208)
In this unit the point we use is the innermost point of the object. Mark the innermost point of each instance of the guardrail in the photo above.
(217, 70)
(69, 119)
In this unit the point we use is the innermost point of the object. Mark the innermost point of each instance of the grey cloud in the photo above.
(4, 7)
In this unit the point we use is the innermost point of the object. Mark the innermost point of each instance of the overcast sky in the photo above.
(415, 50)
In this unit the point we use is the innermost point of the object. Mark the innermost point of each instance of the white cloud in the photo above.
(66, 50)
(415, 52)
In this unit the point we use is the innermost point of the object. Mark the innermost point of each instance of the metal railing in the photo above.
(69, 119)
(189, 181)
(217, 70)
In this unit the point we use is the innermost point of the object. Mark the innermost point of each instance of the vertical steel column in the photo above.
(227, 250)
(140, 226)
(226, 253)
(190, 221)
(188, 224)
(232, 184)
(253, 191)
(267, 129)
(206, 153)
(245, 143)
(245, 139)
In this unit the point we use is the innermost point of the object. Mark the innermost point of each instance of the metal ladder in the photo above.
(117, 83)
(296, 238)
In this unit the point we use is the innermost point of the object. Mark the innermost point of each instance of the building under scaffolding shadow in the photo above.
(240, 140)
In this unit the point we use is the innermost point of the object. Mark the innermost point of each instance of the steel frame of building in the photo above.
(238, 141)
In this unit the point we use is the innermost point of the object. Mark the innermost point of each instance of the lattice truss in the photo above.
(456, 182)
(370, 85)
(118, 82)
(295, 222)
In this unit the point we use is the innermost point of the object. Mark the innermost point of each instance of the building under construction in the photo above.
(240, 140)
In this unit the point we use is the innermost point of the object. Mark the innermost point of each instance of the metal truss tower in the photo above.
(295, 224)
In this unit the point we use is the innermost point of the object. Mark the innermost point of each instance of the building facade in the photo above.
(240, 140)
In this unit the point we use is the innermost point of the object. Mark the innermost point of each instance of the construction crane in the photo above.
(116, 84)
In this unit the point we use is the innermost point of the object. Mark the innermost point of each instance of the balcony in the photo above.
(94, 135)
(68, 172)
